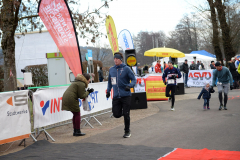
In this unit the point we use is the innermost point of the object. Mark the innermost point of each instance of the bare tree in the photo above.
(21, 16)
(215, 28)
(185, 37)
(227, 45)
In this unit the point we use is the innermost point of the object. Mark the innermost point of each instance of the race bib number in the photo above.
(170, 81)
(113, 80)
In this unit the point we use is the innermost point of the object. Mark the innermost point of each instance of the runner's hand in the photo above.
(231, 87)
(108, 94)
(127, 88)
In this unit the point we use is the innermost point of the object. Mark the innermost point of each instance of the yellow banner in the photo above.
(112, 34)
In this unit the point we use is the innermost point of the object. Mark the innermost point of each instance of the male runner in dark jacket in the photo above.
(171, 73)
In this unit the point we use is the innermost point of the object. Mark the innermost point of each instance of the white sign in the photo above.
(48, 104)
(15, 119)
(125, 40)
(198, 78)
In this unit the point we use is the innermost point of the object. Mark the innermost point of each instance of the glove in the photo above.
(174, 76)
(165, 83)
(127, 88)
(108, 94)
(231, 87)
(90, 90)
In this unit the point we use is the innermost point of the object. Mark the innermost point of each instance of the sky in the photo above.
(145, 15)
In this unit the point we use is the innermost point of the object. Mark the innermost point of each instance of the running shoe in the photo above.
(172, 108)
(127, 135)
(204, 107)
(208, 108)
(220, 108)
(225, 108)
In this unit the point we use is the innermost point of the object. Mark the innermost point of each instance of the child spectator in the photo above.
(206, 95)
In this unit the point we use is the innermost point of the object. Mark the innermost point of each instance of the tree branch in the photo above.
(19, 19)
(16, 15)
(96, 10)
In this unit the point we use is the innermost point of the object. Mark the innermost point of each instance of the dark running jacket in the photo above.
(122, 74)
(173, 71)
(205, 94)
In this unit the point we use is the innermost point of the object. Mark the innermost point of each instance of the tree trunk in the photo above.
(228, 49)
(8, 45)
(215, 39)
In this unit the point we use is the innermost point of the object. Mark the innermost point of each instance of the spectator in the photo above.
(185, 71)
(212, 65)
(193, 66)
(145, 69)
(70, 100)
(139, 70)
(197, 65)
(92, 75)
(236, 63)
(165, 65)
(158, 67)
(100, 75)
(234, 73)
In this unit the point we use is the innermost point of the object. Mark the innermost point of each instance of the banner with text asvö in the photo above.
(112, 34)
(48, 104)
(14, 116)
(56, 16)
(198, 78)
(125, 40)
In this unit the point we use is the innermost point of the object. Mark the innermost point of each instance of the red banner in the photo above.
(58, 20)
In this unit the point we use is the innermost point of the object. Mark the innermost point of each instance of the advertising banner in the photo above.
(58, 20)
(125, 40)
(48, 104)
(112, 34)
(198, 78)
(15, 119)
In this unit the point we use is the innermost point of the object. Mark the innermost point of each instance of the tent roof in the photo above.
(203, 52)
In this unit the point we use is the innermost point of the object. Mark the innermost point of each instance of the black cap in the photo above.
(217, 64)
(185, 59)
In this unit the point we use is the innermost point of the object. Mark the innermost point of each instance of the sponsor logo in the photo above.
(18, 100)
(131, 61)
(199, 75)
(55, 103)
(113, 39)
(125, 41)
(156, 90)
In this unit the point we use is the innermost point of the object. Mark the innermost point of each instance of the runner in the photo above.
(119, 79)
(171, 73)
(224, 76)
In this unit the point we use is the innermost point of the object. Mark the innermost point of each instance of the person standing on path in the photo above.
(100, 75)
(185, 71)
(206, 95)
(119, 79)
(224, 76)
(70, 100)
(171, 73)
(158, 67)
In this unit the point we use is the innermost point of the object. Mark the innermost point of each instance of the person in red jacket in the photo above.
(158, 67)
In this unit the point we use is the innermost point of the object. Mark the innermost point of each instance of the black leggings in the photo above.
(171, 88)
(121, 107)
